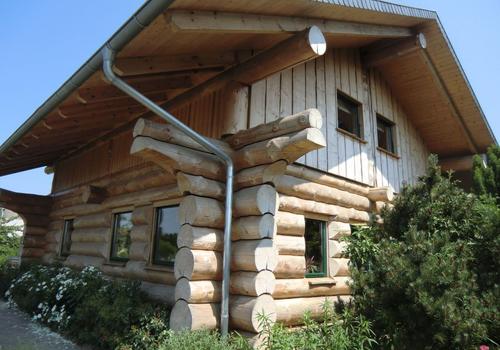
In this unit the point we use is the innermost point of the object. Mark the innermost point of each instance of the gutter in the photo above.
(108, 55)
(135, 24)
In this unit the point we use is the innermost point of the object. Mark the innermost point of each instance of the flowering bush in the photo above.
(84, 304)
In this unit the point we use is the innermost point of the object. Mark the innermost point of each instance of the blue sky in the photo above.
(44, 42)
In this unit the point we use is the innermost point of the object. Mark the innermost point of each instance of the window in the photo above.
(385, 134)
(165, 240)
(66, 237)
(316, 256)
(349, 116)
(120, 245)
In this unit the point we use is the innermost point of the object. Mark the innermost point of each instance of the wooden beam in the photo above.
(387, 53)
(299, 48)
(146, 85)
(129, 66)
(463, 163)
(443, 90)
(203, 22)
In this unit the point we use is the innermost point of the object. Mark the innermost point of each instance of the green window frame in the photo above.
(316, 244)
(120, 242)
(66, 238)
(165, 243)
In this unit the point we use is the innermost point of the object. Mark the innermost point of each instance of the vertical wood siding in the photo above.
(315, 84)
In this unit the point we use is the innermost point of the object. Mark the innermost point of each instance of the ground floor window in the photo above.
(66, 237)
(122, 227)
(165, 236)
(316, 250)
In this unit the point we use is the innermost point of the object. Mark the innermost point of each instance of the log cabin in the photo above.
(322, 110)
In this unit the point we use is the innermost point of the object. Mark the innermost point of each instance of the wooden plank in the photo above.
(273, 97)
(299, 94)
(312, 157)
(321, 106)
(331, 114)
(203, 22)
(258, 104)
(286, 99)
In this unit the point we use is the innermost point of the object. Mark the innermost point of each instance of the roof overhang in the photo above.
(168, 47)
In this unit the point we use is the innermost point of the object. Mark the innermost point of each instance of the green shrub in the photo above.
(10, 238)
(428, 277)
(83, 304)
(486, 177)
(7, 274)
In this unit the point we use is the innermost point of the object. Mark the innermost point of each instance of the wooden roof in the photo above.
(177, 59)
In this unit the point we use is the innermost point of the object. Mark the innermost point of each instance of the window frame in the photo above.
(359, 110)
(388, 124)
(324, 250)
(113, 235)
(62, 253)
(154, 238)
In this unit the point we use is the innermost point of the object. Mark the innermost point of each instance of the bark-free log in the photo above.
(235, 108)
(142, 215)
(308, 190)
(170, 134)
(200, 238)
(139, 251)
(383, 194)
(299, 48)
(310, 118)
(291, 311)
(186, 316)
(244, 311)
(140, 233)
(252, 283)
(257, 200)
(290, 223)
(139, 270)
(254, 227)
(90, 249)
(93, 194)
(198, 291)
(290, 245)
(93, 221)
(80, 261)
(337, 248)
(254, 255)
(95, 235)
(172, 157)
(200, 186)
(290, 266)
(339, 267)
(307, 287)
(201, 211)
(159, 292)
(260, 174)
(288, 147)
(34, 242)
(337, 230)
(198, 264)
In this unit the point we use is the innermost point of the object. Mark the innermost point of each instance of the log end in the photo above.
(317, 40)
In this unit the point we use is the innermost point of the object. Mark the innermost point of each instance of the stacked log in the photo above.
(339, 264)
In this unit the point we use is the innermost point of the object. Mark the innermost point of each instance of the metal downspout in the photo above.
(108, 56)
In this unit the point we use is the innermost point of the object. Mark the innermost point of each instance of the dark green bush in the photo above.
(7, 274)
(84, 305)
(10, 238)
(428, 277)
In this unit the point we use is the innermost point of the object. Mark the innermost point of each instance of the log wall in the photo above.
(314, 85)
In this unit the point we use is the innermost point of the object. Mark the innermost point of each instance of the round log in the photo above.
(290, 245)
(337, 248)
(90, 249)
(139, 251)
(34, 242)
(310, 287)
(201, 211)
(200, 238)
(140, 233)
(198, 291)
(253, 255)
(142, 215)
(290, 223)
(92, 221)
(252, 283)
(257, 200)
(339, 267)
(185, 316)
(91, 235)
(198, 264)
(254, 227)
(140, 270)
(305, 189)
(291, 311)
(32, 252)
(159, 292)
(36, 231)
(381, 194)
(290, 266)
(260, 174)
(200, 186)
(80, 261)
(337, 230)
(244, 311)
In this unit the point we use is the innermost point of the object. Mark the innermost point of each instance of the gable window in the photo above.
(122, 227)
(349, 115)
(316, 252)
(66, 237)
(165, 239)
(385, 134)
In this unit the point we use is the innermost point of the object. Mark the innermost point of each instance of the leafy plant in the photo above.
(424, 277)
(486, 177)
(10, 237)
